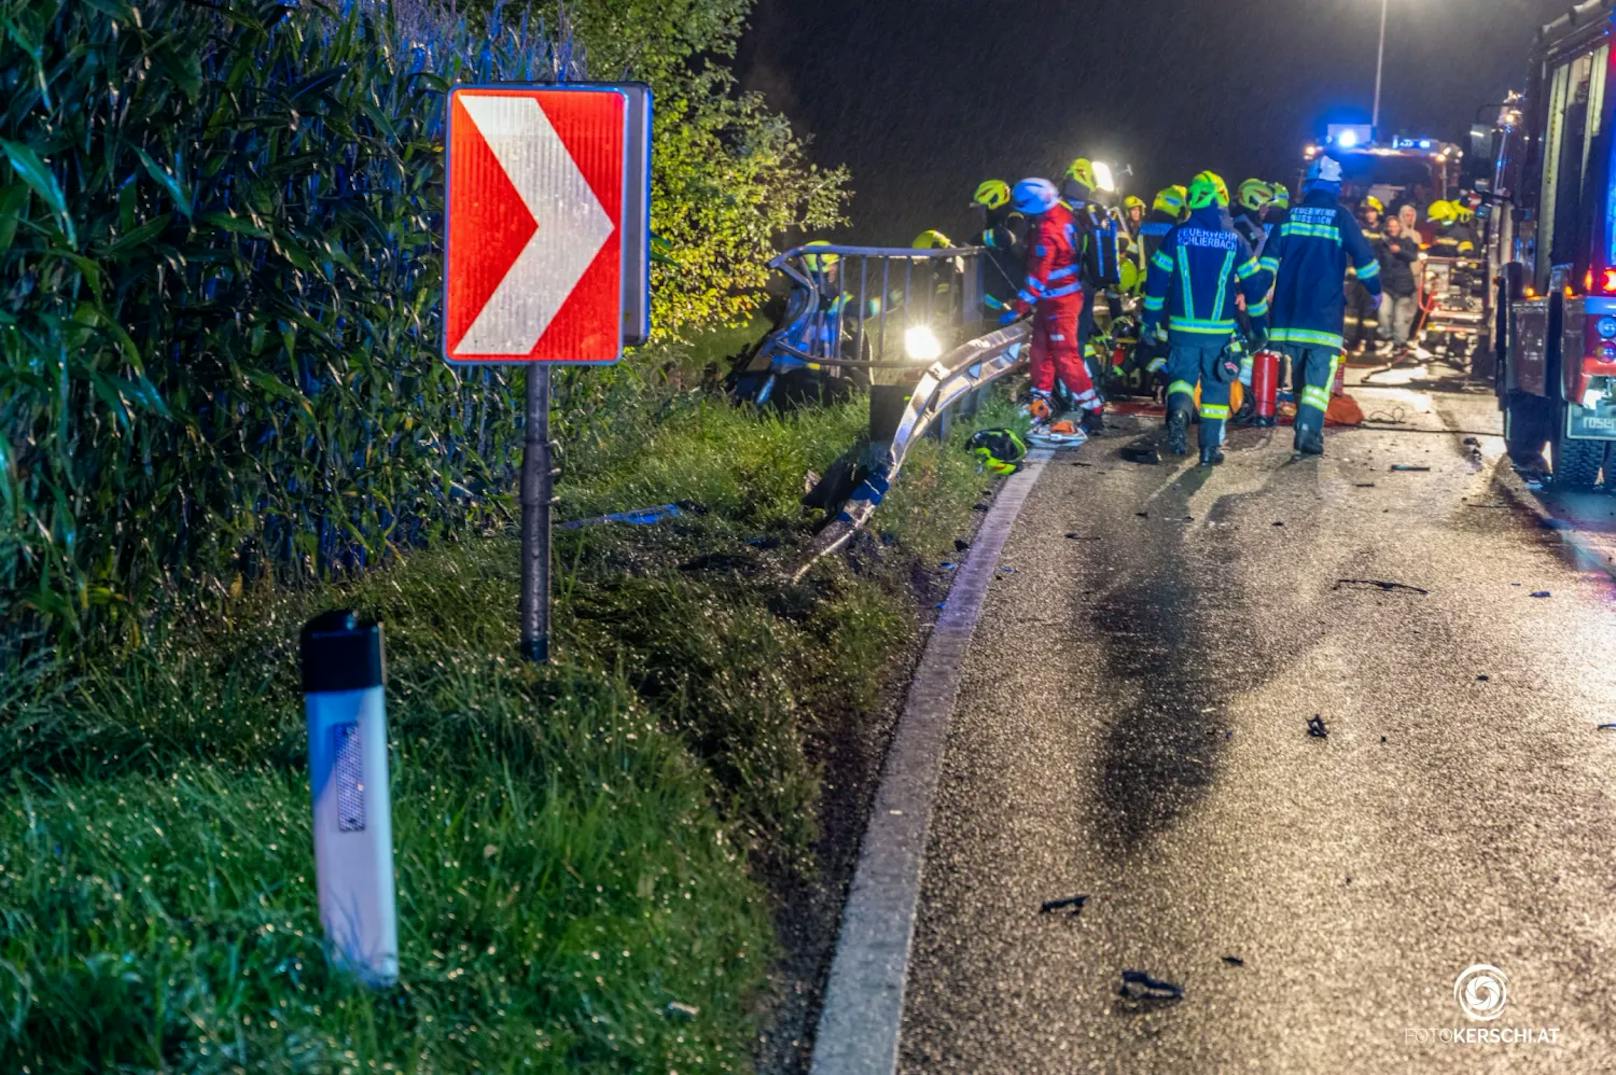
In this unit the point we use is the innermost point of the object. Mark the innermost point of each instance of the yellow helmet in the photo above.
(819, 262)
(1254, 194)
(1081, 171)
(1442, 212)
(1133, 201)
(992, 194)
(1282, 195)
(1169, 200)
(1372, 202)
(1464, 212)
(1208, 188)
(931, 239)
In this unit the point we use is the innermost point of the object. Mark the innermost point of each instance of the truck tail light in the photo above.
(1607, 281)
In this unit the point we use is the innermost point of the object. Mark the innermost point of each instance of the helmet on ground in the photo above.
(1254, 194)
(819, 262)
(931, 239)
(1206, 189)
(1442, 212)
(1034, 196)
(1133, 201)
(1081, 172)
(1326, 169)
(1000, 450)
(1282, 195)
(992, 194)
(1169, 200)
(1372, 202)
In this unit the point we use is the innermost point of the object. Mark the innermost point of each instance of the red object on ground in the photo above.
(1265, 382)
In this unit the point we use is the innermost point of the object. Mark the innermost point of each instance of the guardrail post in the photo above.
(353, 825)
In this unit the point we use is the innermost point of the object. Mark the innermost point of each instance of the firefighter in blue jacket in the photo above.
(1309, 255)
(1194, 277)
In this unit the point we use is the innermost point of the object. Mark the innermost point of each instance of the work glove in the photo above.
(1009, 317)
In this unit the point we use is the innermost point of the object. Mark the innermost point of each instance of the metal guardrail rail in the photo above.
(948, 381)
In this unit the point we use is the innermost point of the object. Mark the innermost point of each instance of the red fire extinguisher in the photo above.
(1264, 386)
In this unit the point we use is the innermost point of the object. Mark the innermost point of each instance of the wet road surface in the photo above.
(1132, 726)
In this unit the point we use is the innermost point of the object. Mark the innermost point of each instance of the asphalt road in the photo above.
(1132, 726)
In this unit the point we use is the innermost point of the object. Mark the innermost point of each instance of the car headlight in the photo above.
(921, 344)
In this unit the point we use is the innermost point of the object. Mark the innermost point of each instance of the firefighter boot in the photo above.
(1178, 425)
(1309, 442)
(1247, 414)
(1211, 455)
(1094, 422)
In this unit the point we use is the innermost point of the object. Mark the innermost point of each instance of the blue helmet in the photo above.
(1033, 197)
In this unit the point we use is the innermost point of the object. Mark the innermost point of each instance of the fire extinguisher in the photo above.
(1264, 387)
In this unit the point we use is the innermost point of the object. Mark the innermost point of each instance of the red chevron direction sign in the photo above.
(533, 265)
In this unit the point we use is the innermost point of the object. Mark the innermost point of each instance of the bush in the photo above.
(218, 235)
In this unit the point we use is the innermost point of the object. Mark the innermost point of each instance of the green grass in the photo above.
(577, 846)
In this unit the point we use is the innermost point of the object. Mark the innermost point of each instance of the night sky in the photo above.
(925, 98)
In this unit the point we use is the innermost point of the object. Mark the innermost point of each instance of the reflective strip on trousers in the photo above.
(1183, 387)
(1316, 397)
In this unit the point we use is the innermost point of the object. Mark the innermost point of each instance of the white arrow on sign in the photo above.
(572, 225)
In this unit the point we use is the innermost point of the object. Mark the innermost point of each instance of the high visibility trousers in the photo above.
(1054, 352)
(1313, 370)
(1187, 366)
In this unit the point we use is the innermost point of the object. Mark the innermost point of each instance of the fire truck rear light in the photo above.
(1607, 281)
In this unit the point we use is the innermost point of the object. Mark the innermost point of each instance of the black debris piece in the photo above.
(1541, 593)
(1483, 678)
(1075, 536)
(1142, 514)
(1316, 728)
(960, 544)
(1082, 464)
(979, 507)
(1408, 469)
(1383, 739)
(1279, 522)
(1472, 442)
(1234, 961)
(1379, 584)
(1606, 728)
(1137, 985)
(1074, 902)
(1189, 518)
(1147, 454)
(1363, 485)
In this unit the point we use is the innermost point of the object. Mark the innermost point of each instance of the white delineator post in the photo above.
(353, 825)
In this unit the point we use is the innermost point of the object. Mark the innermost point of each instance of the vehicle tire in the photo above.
(1527, 428)
(1576, 462)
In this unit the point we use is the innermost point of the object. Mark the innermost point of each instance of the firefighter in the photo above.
(1253, 197)
(1453, 238)
(1308, 256)
(1053, 295)
(1133, 214)
(1098, 248)
(1004, 232)
(1166, 210)
(1194, 277)
(1361, 324)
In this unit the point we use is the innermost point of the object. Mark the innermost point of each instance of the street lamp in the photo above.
(1380, 61)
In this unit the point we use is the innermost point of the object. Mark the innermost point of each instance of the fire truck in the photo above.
(1421, 170)
(1551, 243)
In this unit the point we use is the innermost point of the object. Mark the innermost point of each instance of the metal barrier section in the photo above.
(856, 308)
(947, 382)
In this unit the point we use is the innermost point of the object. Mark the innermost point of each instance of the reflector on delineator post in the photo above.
(353, 826)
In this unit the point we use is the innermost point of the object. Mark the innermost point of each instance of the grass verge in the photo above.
(578, 847)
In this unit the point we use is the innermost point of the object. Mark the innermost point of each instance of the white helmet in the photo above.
(1325, 170)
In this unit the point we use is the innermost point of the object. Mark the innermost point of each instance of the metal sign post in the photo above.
(546, 253)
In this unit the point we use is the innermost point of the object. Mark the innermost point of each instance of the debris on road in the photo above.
(1606, 728)
(1142, 514)
(681, 1010)
(1542, 593)
(1316, 728)
(1146, 454)
(1234, 961)
(1363, 485)
(1279, 522)
(960, 545)
(1379, 583)
(1408, 468)
(1483, 678)
(947, 565)
(1471, 442)
(1137, 985)
(1075, 536)
(1074, 902)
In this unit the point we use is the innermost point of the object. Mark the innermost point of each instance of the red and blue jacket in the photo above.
(1052, 262)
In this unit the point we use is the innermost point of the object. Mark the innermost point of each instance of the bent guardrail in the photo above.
(950, 380)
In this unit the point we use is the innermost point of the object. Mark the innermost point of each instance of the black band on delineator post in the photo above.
(341, 651)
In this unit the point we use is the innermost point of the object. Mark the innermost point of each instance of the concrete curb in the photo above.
(862, 1014)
